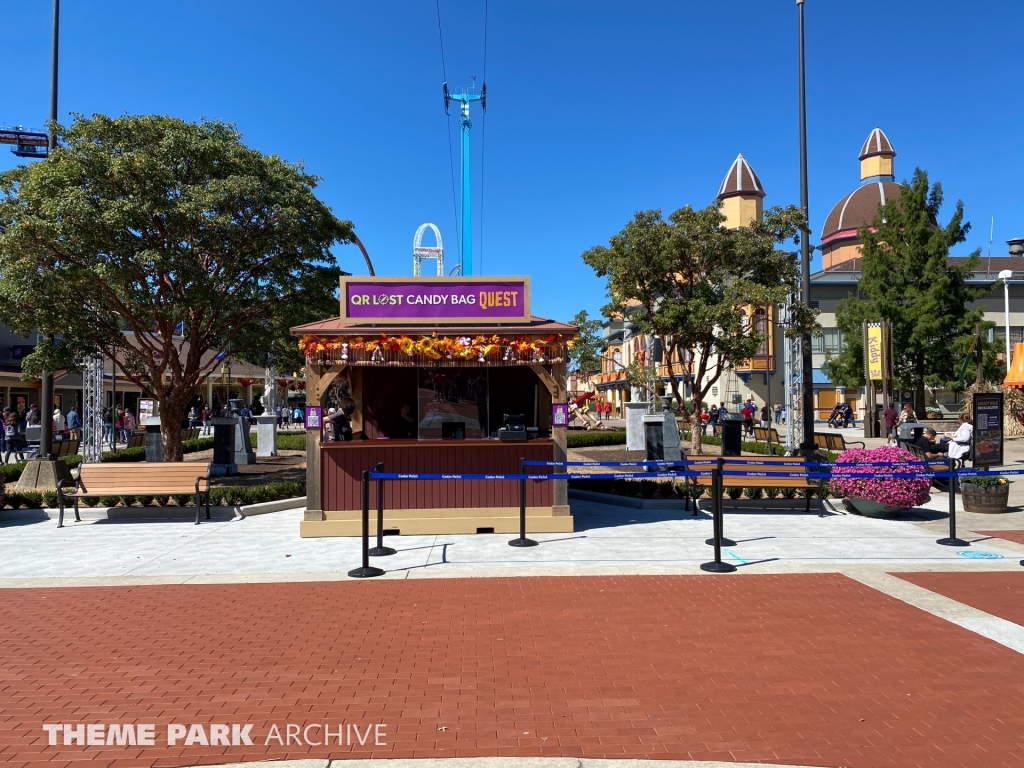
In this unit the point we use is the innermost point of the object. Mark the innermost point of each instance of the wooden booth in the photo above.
(437, 367)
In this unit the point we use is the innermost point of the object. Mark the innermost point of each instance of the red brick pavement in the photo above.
(999, 593)
(1017, 536)
(803, 669)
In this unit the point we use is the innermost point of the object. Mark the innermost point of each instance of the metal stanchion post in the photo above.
(952, 540)
(380, 550)
(717, 566)
(720, 536)
(366, 570)
(522, 541)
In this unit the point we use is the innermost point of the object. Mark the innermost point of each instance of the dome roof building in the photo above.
(839, 241)
(741, 194)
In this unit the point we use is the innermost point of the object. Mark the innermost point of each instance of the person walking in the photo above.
(705, 419)
(194, 419)
(206, 414)
(890, 416)
(748, 419)
(766, 416)
(777, 408)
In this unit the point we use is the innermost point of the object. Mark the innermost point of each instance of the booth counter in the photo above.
(433, 396)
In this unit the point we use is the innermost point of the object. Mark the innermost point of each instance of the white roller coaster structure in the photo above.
(420, 251)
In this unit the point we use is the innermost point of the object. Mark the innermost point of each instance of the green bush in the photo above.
(666, 489)
(648, 488)
(771, 493)
(789, 493)
(30, 499)
(286, 441)
(591, 439)
(109, 501)
(753, 492)
(50, 499)
(734, 492)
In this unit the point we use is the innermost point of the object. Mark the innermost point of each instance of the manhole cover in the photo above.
(980, 555)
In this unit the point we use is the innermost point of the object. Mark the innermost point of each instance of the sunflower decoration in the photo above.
(406, 345)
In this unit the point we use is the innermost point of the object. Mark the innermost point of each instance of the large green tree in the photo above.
(685, 280)
(585, 354)
(137, 224)
(906, 278)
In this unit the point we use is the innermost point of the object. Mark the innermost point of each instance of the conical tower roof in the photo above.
(877, 143)
(740, 180)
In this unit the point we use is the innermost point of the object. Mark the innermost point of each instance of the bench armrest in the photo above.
(855, 442)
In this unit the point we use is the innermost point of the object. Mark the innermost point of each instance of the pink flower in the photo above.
(903, 492)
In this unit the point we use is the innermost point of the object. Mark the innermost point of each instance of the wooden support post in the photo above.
(314, 504)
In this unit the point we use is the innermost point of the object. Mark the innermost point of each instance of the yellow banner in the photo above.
(875, 352)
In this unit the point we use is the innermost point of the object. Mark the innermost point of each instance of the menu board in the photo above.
(988, 429)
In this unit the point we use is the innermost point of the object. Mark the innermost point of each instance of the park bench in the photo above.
(117, 479)
(763, 433)
(66, 448)
(834, 441)
(795, 468)
(190, 434)
(137, 440)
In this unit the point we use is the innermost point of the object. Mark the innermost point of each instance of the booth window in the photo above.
(453, 403)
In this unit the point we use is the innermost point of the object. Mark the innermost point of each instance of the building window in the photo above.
(830, 342)
(999, 332)
(760, 325)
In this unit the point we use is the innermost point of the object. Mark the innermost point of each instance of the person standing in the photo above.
(766, 416)
(890, 416)
(128, 421)
(777, 408)
(206, 414)
(74, 422)
(748, 418)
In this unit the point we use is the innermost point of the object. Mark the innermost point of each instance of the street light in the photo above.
(1005, 276)
(807, 447)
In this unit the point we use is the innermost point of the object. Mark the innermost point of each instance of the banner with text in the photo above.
(875, 352)
(435, 300)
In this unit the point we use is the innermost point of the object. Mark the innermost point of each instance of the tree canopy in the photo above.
(585, 354)
(137, 226)
(685, 280)
(906, 278)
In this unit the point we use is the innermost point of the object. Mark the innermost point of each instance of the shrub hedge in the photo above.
(226, 496)
(590, 439)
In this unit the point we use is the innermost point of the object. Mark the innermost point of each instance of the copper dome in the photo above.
(857, 208)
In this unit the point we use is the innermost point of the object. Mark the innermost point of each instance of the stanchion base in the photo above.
(947, 542)
(365, 573)
(725, 542)
(381, 551)
(717, 567)
(522, 543)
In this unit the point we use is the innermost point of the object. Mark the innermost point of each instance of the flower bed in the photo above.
(898, 492)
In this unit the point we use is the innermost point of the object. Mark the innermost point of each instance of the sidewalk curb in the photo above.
(149, 513)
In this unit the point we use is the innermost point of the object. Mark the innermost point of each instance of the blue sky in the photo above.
(596, 109)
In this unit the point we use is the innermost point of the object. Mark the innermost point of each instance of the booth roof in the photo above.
(335, 326)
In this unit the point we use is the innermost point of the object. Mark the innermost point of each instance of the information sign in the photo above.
(988, 429)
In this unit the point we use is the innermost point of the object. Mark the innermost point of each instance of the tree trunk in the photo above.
(172, 412)
(695, 428)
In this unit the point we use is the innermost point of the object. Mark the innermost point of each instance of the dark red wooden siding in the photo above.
(341, 467)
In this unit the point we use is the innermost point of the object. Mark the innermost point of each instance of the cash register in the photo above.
(514, 429)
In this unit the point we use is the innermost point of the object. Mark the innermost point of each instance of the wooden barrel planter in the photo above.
(991, 500)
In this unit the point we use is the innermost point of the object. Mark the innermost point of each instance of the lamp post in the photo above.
(1005, 276)
(807, 447)
(45, 376)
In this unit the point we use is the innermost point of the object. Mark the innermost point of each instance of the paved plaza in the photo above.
(840, 641)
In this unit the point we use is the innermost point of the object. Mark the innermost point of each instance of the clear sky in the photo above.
(596, 109)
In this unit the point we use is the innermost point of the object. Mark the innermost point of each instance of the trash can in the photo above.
(907, 434)
(732, 433)
(154, 440)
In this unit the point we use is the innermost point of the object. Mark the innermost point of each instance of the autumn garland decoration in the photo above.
(435, 348)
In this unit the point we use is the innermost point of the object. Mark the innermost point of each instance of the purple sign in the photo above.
(433, 300)
(559, 414)
(314, 417)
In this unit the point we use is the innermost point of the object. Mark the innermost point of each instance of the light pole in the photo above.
(1005, 276)
(807, 447)
(45, 377)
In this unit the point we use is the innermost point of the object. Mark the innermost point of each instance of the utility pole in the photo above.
(465, 98)
(807, 447)
(45, 377)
